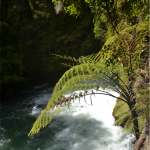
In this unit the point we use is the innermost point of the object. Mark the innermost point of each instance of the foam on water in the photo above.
(89, 127)
(3, 141)
(82, 127)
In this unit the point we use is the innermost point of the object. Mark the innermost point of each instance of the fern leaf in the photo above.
(121, 110)
(128, 126)
(121, 119)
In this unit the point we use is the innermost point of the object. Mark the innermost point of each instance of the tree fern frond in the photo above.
(118, 104)
(123, 109)
(128, 126)
(87, 69)
(121, 119)
(127, 38)
(80, 60)
(53, 102)
(80, 69)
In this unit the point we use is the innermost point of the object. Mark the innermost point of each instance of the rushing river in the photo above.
(83, 127)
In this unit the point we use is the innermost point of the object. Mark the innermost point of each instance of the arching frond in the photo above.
(86, 69)
(113, 75)
(123, 113)
(83, 59)
(122, 109)
(128, 42)
(128, 126)
(123, 118)
(75, 79)
(118, 104)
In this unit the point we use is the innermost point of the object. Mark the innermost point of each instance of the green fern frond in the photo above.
(46, 115)
(75, 71)
(121, 119)
(124, 108)
(77, 75)
(119, 103)
(123, 39)
(83, 59)
(128, 126)
(91, 71)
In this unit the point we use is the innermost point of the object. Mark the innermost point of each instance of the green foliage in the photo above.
(11, 60)
(28, 38)
(128, 42)
(89, 68)
(123, 117)
(143, 101)
(3, 25)
(123, 26)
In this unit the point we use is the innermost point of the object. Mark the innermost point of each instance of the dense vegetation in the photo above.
(28, 39)
(32, 31)
(124, 26)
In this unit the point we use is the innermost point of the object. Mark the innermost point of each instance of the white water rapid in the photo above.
(82, 127)
(89, 127)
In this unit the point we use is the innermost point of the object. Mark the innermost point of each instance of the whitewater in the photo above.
(82, 127)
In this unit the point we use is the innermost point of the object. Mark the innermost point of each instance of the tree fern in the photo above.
(65, 85)
(80, 74)
(128, 42)
(68, 83)
(93, 67)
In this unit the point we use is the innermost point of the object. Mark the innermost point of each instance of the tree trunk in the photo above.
(134, 116)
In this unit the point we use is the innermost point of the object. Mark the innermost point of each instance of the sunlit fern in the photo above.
(90, 67)
(73, 79)
(128, 42)
(123, 117)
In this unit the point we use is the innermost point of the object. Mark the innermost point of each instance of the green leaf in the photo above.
(148, 88)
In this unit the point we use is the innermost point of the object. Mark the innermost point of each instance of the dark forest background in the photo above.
(31, 31)
(28, 39)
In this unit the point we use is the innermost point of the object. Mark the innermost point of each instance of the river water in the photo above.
(83, 127)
